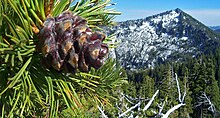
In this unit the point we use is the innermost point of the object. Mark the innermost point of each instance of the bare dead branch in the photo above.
(161, 109)
(102, 112)
(172, 110)
(150, 102)
(128, 110)
(203, 99)
(178, 87)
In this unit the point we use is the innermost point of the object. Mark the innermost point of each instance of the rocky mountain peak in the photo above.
(170, 35)
(178, 10)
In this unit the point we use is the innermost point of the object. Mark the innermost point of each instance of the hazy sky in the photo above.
(206, 11)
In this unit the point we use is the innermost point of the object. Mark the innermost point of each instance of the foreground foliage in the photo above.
(28, 89)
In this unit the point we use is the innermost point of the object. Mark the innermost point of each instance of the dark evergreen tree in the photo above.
(184, 112)
(212, 89)
(168, 90)
(217, 66)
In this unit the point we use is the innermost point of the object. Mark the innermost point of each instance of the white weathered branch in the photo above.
(102, 112)
(172, 110)
(184, 95)
(128, 110)
(150, 102)
(203, 99)
(178, 87)
(118, 108)
(161, 108)
(127, 98)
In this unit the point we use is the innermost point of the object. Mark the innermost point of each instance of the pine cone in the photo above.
(68, 44)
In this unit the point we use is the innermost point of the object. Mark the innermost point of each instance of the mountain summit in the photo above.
(167, 36)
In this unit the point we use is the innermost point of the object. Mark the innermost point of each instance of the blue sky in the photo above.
(206, 11)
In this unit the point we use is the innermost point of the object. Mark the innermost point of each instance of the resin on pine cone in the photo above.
(67, 43)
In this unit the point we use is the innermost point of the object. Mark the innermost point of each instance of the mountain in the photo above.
(171, 35)
(218, 30)
(214, 27)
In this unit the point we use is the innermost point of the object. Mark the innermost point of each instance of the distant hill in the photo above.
(218, 30)
(214, 27)
(171, 35)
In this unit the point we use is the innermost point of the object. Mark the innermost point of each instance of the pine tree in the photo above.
(218, 74)
(168, 90)
(185, 111)
(165, 83)
(148, 86)
(212, 89)
(28, 35)
(217, 58)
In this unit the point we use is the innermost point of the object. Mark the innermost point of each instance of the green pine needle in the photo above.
(27, 89)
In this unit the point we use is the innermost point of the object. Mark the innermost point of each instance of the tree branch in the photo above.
(102, 112)
(203, 99)
(161, 109)
(150, 102)
(178, 87)
(172, 109)
(121, 115)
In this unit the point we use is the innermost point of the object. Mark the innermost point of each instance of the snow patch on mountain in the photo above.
(143, 42)
(167, 19)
